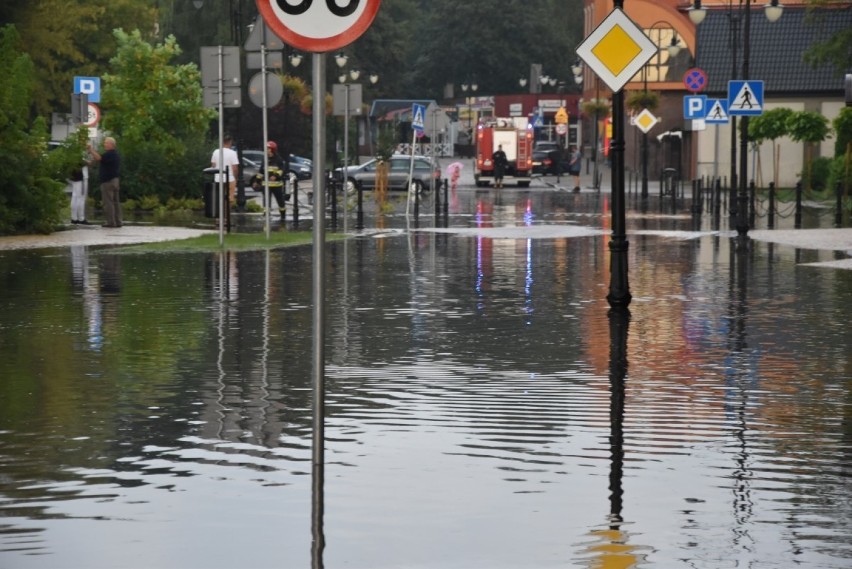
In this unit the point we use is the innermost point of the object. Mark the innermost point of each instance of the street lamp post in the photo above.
(772, 11)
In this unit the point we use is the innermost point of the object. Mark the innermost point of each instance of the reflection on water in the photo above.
(155, 410)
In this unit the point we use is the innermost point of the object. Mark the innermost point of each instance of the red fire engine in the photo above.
(517, 144)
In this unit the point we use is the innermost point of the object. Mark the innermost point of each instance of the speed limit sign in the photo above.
(318, 25)
(94, 115)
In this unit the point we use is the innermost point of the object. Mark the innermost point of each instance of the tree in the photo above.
(771, 125)
(811, 128)
(31, 200)
(836, 50)
(67, 39)
(155, 109)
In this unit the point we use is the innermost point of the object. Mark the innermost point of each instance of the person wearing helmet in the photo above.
(277, 173)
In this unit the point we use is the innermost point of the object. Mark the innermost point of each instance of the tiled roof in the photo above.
(400, 107)
(776, 53)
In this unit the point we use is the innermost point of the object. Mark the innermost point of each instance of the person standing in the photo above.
(277, 177)
(108, 172)
(230, 167)
(500, 163)
(575, 165)
(79, 189)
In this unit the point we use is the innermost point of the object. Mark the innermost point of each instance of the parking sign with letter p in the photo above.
(89, 86)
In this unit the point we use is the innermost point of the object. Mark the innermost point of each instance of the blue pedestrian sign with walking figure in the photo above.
(745, 98)
(418, 117)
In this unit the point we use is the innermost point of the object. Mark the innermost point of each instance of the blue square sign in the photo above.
(694, 107)
(745, 98)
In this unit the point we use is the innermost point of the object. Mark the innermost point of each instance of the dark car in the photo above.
(300, 167)
(400, 164)
(546, 156)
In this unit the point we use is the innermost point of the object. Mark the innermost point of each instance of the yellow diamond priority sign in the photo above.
(645, 120)
(616, 50)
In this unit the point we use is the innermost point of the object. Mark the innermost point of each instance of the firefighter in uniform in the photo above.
(277, 177)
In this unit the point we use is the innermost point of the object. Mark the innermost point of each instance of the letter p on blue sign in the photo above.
(694, 107)
(90, 86)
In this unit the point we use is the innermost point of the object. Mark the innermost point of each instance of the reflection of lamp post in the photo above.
(673, 49)
(772, 11)
(473, 88)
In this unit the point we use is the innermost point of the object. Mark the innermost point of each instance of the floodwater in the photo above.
(484, 409)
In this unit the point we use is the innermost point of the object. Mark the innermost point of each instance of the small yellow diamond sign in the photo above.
(616, 50)
(645, 120)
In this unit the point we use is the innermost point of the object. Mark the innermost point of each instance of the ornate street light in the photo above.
(473, 88)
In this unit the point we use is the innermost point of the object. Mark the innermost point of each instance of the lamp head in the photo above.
(697, 13)
(341, 59)
(773, 10)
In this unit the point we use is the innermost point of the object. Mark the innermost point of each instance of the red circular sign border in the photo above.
(318, 45)
(701, 72)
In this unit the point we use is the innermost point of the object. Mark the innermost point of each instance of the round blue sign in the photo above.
(695, 80)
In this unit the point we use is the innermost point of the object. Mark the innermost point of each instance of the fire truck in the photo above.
(517, 142)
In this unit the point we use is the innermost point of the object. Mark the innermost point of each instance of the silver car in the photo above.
(425, 170)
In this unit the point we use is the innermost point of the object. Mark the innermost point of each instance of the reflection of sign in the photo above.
(616, 50)
(645, 120)
(695, 80)
(561, 116)
(717, 112)
(694, 106)
(318, 25)
(745, 98)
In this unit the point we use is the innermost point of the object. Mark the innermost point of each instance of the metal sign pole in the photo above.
(265, 131)
(221, 146)
(318, 342)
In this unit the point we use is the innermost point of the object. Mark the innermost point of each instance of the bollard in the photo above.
(838, 213)
(751, 199)
(360, 221)
(437, 202)
(331, 193)
(296, 202)
(732, 199)
(446, 202)
(696, 197)
(771, 205)
(797, 224)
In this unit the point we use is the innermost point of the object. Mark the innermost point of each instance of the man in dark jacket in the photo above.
(500, 163)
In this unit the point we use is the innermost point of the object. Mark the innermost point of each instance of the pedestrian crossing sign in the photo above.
(418, 117)
(718, 111)
(745, 98)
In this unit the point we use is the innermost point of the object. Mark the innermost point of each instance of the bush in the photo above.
(820, 170)
(840, 172)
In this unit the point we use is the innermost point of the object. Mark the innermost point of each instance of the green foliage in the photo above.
(843, 131)
(65, 39)
(835, 50)
(771, 125)
(841, 173)
(386, 140)
(31, 197)
(595, 108)
(820, 173)
(638, 100)
(155, 111)
(807, 126)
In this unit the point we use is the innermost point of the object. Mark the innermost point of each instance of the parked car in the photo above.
(400, 165)
(300, 167)
(546, 155)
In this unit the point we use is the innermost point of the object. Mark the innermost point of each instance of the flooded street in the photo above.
(483, 407)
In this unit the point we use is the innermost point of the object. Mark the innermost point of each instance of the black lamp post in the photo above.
(619, 296)
(773, 11)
